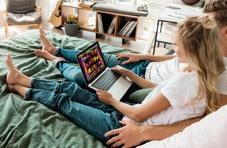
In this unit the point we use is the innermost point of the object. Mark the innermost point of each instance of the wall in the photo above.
(47, 7)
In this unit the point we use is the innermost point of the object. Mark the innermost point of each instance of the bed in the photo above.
(31, 124)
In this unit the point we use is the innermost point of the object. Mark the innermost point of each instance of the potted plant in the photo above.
(71, 25)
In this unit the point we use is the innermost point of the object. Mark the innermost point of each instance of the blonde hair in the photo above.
(200, 40)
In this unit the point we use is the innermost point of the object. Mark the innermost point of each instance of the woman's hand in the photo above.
(131, 57)
(120, 70)
(105, 97)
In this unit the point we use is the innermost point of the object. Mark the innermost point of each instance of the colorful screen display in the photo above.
(91, 62)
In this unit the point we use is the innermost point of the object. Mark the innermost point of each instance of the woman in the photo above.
(187, 94)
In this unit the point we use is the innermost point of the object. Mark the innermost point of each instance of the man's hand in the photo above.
(105, 97)
(120, 70)
(127, 136)
(131, 57)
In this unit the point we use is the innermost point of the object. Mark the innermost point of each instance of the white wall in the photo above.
(2, 5)
(47, 6)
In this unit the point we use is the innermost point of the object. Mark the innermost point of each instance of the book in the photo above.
(100, 24)
(131, 29)
(127, 28)
(123, 28)
(112, 26)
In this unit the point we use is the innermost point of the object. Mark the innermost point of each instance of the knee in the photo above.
(74, 76)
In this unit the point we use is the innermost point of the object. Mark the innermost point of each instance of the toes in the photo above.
(38, 52)
(10, 87)
(8, 60)
(41, 30)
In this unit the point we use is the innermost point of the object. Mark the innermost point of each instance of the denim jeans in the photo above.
(73, 72)
(79, 105)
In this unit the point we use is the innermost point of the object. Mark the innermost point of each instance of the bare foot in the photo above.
(14, 76)
(46, 55)
(46, 44)
(21, 90)
(13, 73)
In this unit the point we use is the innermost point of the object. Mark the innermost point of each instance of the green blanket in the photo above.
(28, 123)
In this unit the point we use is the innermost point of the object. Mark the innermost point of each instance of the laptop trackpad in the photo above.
(119, 88)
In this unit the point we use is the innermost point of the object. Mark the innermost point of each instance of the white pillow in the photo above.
(210, 132)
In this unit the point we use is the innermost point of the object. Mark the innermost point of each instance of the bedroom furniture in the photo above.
(56, 17)
(24, 13)
(173, 14)
(109, 19)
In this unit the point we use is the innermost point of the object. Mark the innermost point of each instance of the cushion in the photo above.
(118, 9)
(139, 95)
(21, 19)
(210, 132)
(21, 6)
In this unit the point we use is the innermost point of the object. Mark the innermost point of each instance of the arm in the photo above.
(131, 57)
(223, 100)
(164, 131)
(156, 58)
(141, 82)
(137, 113)
(131, 134)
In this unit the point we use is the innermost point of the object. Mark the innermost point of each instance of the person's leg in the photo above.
(93, 120)
(46, 44)
(67, 54)
(21, 90)
(73, 90)
(71, 73)
(110, 60)
(14, 76)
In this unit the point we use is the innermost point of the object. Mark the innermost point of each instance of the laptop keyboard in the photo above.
(106, 80)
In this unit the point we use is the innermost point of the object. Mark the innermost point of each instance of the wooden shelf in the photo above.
(113, 24)
(125, 26)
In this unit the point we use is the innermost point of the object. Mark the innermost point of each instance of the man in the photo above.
(131, 134)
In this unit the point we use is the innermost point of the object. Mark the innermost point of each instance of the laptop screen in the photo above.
(91, 62)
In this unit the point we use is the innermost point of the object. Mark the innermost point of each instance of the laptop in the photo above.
(98, 76)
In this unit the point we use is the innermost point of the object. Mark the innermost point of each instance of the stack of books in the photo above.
(128, 28)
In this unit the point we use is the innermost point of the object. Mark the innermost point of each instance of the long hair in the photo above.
(200, 40)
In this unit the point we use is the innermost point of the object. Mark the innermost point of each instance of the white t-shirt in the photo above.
(160, 71)
(181, 90)
(222, 86)
(210, 132)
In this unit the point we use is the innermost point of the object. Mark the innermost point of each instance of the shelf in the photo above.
(106, 23)
(87, 29)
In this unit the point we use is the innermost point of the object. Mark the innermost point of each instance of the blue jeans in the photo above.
(79, 105)
(73, 72)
